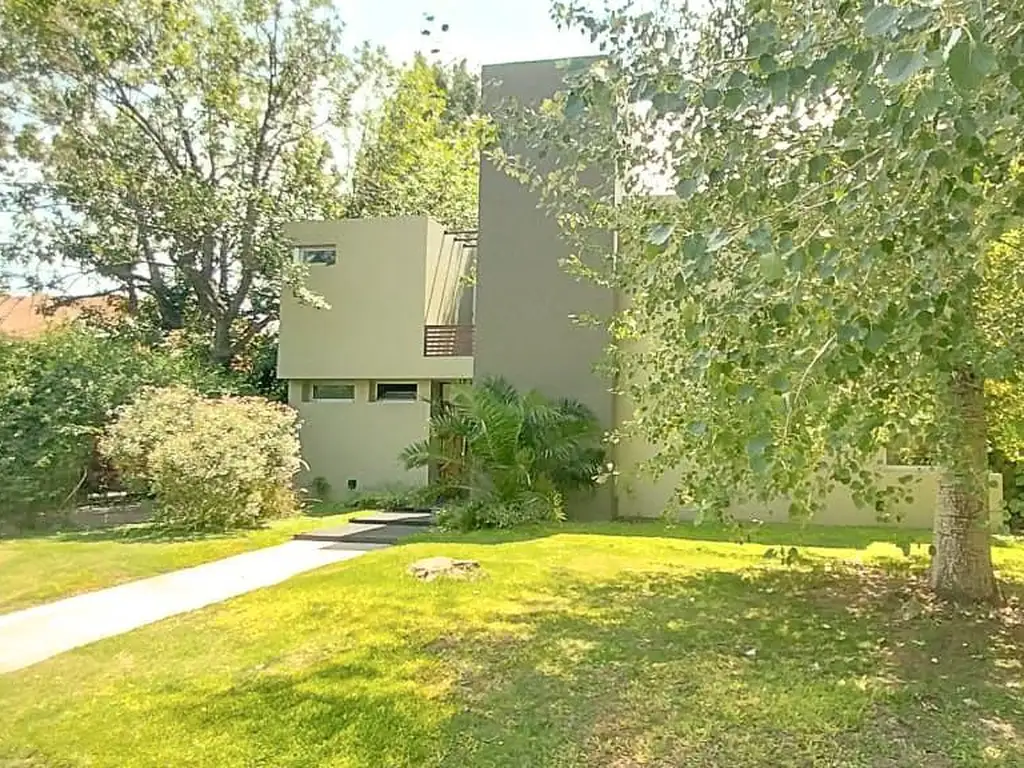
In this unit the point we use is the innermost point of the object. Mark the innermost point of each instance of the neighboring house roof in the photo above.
(26, 316)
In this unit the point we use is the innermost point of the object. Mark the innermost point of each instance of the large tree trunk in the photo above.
(962, 564)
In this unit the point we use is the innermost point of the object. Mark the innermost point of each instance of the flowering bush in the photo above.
(56, 394)
(211, 463)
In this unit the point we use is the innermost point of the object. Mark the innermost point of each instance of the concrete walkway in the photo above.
(34, 634)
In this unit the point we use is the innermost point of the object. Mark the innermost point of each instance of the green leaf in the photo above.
(734, 98)
(847, 332)
(880, 20)
(1017, 78)
(872, 102)
(778, 84)
(969, 62)
(875, 340)
(738, 79)
(903, 66)
(781, 312)
(694, 247)
(717, 240)
(574, 106)
(816, 166)
(864, 61)
(772, 266)
(686, 188)
(760, 239)
(712, 98)
(917, 18)
(756, 446)
(660, 233)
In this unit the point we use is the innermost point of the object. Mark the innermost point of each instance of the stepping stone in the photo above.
(338, 533)
(357, 546)
(387, 534)
(363, 533)
(388, 518)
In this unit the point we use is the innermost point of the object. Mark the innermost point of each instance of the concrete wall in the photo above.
(525, 300)
(641, 496)
(376, 289)
(360, 440)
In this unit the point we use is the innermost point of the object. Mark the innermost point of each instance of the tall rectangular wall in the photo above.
(377, 295)
(525, 300)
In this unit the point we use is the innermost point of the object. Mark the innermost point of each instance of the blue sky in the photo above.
(481, 31)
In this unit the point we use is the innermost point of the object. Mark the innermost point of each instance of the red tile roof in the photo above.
(25, 316)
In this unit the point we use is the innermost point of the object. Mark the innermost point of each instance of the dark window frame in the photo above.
(396, 392)
(304, 252)
(314, 397)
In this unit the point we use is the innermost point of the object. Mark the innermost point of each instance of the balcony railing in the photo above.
(447, 340)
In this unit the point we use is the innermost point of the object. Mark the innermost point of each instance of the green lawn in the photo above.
(585, 646)
(37, 569)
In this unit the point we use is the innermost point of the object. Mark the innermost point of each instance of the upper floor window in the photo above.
(317, 254)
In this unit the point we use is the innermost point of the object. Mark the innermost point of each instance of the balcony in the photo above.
(447, 340)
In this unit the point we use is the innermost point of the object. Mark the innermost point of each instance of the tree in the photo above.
(56, 395)
(517, 455)
(172, 140)
(815, 287)
(420, 152)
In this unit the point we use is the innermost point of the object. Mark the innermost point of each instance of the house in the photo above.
(402, 325)
(398, 331)
(24, 316)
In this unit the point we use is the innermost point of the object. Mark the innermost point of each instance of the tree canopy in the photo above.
(170, 140)
(815, 286)
(420, 152)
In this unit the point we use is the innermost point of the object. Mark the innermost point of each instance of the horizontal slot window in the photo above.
(333, 392)
(387, 391)
(317, 254)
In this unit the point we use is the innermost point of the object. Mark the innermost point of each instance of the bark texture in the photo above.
(962, 564)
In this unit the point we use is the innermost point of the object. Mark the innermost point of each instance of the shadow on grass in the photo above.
(847, 667)
(838, 666)
(139, 533)
(771, 534)
(356, 710)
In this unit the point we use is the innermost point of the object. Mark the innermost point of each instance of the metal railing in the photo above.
(447, 340)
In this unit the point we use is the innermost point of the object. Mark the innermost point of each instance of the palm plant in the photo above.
(513, 455)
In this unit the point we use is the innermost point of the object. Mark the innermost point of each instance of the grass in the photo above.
(38, 569)
(584, 645)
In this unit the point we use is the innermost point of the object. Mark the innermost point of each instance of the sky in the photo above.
(480, 31)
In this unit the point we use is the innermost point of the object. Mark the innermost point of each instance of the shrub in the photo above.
(390, 498)
(56, 394)
(211, 463)
(1005, 406)
(513, 456)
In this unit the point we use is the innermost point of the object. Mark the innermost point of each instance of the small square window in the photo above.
(317, 254)
(333, 392)
(390, 391)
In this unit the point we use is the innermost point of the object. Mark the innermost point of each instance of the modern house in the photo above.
(398, 329)
(404, 322)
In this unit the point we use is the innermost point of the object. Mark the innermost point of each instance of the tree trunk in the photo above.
(962, 564)
(222, 352)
